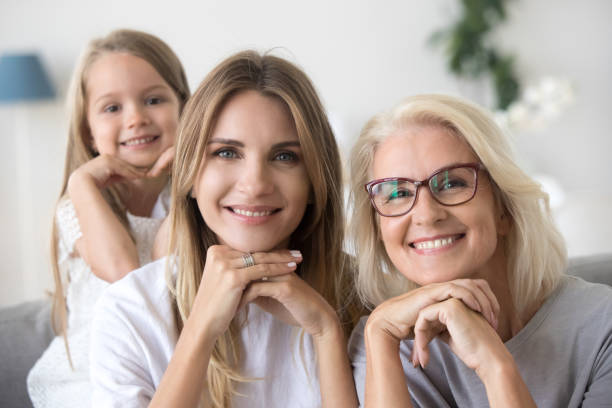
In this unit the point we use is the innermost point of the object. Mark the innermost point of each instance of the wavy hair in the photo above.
(80, 150)
(321, 231)
(535, 251)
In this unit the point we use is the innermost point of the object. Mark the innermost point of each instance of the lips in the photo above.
(135, 141)
(436, 242)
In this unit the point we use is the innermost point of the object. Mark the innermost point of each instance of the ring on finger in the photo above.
(247, 260)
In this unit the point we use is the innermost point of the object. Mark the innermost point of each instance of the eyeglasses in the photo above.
(452, 185)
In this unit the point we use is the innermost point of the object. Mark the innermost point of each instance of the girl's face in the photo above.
(252, 188)
(432, 242)
(131, 111)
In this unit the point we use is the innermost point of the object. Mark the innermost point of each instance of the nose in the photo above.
(426, 210)
(256, 178)
(136, 116)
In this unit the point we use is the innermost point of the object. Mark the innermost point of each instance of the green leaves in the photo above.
(469, 52)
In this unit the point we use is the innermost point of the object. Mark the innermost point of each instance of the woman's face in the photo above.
(252, 188)
(432, 242)
(132, 112)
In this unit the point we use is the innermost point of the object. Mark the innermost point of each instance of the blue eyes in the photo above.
(226, 154)
(284, 156)
(153, 100)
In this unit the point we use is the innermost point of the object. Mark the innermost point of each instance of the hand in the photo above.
(467, 333)
(293, 301)
(105, 170)
(225, 279)
(397, 316)
(163, 164)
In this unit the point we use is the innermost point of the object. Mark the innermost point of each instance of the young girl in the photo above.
(458, 252)
(126, 97)
(256, 232)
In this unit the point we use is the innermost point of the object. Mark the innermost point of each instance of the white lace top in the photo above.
(52, 382)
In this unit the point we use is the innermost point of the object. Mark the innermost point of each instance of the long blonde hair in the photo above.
(319, 235)
(79, 149)
(535, 251)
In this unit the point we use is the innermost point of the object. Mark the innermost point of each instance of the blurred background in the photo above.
(363, 57)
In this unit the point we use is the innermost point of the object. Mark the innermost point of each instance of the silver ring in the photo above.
(247, 260)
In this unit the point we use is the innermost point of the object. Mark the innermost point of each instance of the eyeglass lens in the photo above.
(448, 187)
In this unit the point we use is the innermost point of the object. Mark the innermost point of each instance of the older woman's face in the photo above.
(432, 242)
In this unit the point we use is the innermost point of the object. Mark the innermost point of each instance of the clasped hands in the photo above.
(463, 313)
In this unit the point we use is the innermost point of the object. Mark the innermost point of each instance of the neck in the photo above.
(510, 322)
(140, 195)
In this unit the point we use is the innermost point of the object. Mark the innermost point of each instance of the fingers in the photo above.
(266, 258)
(267, 264)
(266, 271)
(427, 327)
(163, 163)
(488, 305)
(475, 294)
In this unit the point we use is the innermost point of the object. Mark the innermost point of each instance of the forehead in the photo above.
(417, 151)
(116, 71)
(251, 116)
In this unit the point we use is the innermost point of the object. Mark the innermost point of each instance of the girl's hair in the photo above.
(80, 150)
(535, 251)
(319, 236)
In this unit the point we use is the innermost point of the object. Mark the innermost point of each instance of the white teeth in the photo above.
(252, 213)
(143, 140)
(437, 243)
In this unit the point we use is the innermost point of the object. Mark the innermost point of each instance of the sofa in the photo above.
(25, 332)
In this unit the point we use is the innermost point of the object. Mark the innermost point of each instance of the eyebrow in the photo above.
(233, 142)
(146, 90)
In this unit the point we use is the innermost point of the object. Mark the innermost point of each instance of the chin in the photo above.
(252, 245)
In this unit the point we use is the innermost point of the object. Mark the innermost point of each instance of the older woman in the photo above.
(460, 258)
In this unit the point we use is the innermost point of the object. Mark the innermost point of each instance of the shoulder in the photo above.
(577, 305)
(583, 295)
(142, 294)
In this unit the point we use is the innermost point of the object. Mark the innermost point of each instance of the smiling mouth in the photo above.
(139, 140)
(247, 213)
(436, 243)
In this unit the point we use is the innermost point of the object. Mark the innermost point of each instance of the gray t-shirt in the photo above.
(564, 354)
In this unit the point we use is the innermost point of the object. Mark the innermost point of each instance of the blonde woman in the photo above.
(255, 253)
(125, 99)
(464, 268)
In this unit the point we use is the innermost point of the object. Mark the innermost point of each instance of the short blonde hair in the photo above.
(535, 251)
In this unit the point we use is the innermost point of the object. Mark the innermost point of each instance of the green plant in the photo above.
(470, 53)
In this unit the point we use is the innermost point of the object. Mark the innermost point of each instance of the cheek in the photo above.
(170, 120)
(391, 230)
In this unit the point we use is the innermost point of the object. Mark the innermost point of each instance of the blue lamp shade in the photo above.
(22, 78)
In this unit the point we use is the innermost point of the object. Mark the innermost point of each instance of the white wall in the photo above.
(363, 56)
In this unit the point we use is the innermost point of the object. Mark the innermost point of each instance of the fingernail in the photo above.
(291, 264)
(296, 254)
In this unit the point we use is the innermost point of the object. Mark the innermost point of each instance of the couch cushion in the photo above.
(593, 268)
(25, 332)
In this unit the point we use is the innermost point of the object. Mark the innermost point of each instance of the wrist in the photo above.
(376, 330)
(331, 331)
(79, 180)
(497, 365)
